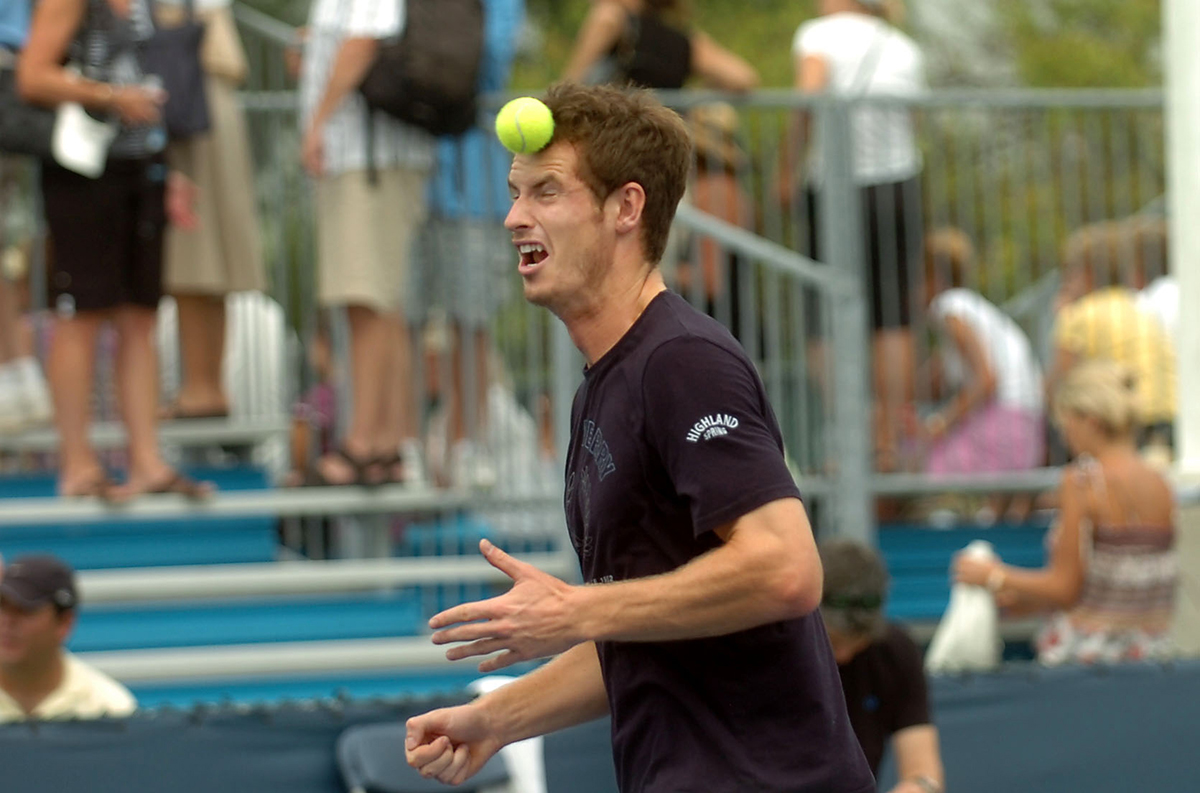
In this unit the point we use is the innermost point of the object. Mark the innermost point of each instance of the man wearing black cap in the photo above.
(38, 678)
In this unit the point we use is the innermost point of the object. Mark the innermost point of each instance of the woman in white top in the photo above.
(993, 421)
(852, 50)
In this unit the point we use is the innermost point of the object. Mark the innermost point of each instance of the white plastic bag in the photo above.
(968, 637)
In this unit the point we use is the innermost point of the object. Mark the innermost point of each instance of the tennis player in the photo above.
(696, 629)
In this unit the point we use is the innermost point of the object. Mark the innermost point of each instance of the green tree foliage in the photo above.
(1085, 43)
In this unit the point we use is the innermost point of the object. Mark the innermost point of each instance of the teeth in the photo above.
(531, 248)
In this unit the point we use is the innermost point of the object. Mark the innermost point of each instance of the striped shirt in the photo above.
(105, 49)
(331, 22)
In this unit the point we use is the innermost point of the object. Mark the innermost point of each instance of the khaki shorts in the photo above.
(224, 254)
(365, 235)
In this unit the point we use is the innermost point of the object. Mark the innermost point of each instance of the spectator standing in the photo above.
(107, 236)
(652, 44)
(852, 50)
(23, 396)
(880, 666)
(39, 679)
(993, 420)
(1113, 571)
(715, 189)
(365, 226)
(466, 259)
(224, 253)
(696, 629)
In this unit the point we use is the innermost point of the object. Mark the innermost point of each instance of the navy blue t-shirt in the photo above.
(671, 437)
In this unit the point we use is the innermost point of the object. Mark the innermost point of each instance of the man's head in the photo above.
(852, 602)
(605, 188)
(38, 598)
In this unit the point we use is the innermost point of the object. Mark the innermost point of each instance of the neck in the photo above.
(596, 328)
(31, 682)
(1118, 448)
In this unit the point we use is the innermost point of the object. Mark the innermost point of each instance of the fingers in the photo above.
(502, 661)
(468, 633)
(485, 647)
(500, 560)
(465, 612)
(433, 756)
(458, 771)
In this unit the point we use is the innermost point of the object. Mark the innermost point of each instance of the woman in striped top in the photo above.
(1113, 570)
(106, 234)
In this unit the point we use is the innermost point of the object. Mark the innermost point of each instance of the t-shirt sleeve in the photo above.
(913, 694)
(708, 419)
(812, 38)
(375, 19)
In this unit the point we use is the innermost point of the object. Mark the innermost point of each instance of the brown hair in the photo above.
(949, 255)
(623, 136)
(1131, 251)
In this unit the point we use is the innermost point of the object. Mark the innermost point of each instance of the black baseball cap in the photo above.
(33, 581)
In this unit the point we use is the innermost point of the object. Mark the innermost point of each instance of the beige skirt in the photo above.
(224, 254)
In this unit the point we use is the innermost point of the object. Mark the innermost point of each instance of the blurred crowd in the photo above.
(413, 263)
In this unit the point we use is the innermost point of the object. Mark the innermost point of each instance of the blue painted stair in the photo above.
(118, 541)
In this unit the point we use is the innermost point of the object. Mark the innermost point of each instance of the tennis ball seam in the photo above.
(517, 124)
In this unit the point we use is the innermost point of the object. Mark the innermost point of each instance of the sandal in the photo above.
(175, 412)
(363, 476)
(389, 469)
(101, 487)
(183, 485)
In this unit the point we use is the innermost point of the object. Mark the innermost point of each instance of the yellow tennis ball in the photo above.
(525, 125)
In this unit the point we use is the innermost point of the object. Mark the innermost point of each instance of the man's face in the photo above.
(564, 237)
(30, 636)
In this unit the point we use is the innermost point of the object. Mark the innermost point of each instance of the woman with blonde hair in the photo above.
(1112, 573)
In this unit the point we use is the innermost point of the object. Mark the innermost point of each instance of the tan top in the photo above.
(85, 693)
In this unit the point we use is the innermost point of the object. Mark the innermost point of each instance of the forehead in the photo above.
(559, 161)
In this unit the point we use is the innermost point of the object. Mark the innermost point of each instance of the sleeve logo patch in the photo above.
(711, 427)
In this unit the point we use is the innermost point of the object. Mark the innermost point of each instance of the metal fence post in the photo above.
(842, 250)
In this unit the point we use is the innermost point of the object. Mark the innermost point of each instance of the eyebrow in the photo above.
(539, 184)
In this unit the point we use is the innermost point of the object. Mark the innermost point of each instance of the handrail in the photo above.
(267, 26)
(775, 256)
(192, 432)
(301, 577)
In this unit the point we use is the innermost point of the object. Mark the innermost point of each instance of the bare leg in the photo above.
(202, 347)
(71, 368)
(894, 358)
(9, 321)
(399, 420)
(460, 429)
(370, 361)
(137, 387)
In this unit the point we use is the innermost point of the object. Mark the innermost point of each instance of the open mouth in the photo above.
(532, 254)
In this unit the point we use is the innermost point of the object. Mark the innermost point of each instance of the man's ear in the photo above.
(66, 624)
(630, 201)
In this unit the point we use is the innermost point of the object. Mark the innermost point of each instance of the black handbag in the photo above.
(24, 128)
(173, 55)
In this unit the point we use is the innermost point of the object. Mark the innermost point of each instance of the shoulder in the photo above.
(900, 648)
(817, 35)
(103, 691)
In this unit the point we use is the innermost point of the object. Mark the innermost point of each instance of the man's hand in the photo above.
(450, 744)
(312, 150)
(534, 619)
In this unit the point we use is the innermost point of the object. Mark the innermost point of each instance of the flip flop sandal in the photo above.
(361, 467)
(185, 486)
(101, 487)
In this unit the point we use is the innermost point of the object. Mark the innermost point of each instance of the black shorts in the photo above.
(106, 235)
(894, 238)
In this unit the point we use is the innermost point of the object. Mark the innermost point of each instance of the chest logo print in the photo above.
(593, 441)
(713, 426)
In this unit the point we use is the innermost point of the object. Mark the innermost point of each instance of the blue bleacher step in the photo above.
(119, 541)
(242, 621)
